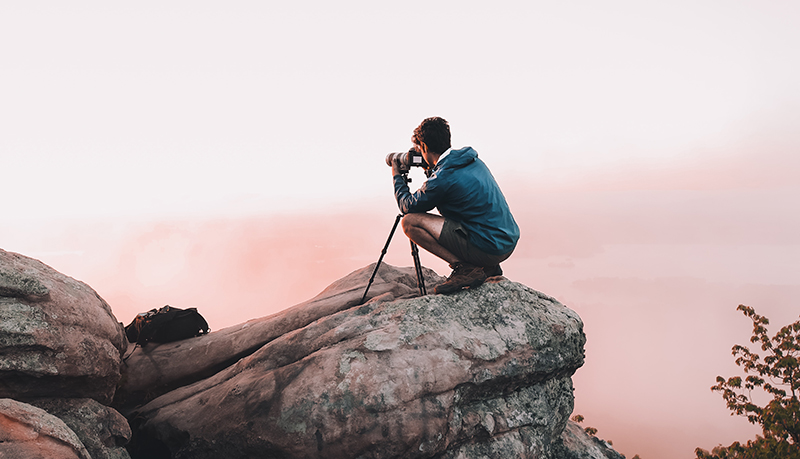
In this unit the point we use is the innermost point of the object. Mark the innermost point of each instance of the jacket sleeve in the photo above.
(423, 200)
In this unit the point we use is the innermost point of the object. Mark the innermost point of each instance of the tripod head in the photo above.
(407, 179)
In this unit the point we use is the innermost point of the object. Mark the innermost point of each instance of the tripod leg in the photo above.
(418, 269)
(380, 259)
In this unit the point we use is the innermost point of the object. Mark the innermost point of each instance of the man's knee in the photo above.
(430, 224)
(409, 222)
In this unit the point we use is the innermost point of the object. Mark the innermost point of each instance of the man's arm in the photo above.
(423, 200)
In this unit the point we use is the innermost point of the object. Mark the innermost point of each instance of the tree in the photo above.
(777, 374)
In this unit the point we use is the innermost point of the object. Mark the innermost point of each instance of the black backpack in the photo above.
(165, 325)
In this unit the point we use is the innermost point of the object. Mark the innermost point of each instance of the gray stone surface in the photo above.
(158, 368)
(102, 430)
(483, 373)
(578, 444)
(478, 372)
(57, 336)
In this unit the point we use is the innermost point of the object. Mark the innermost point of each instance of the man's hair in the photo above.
(434, 133)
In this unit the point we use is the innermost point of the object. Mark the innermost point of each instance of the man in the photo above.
(475, 231)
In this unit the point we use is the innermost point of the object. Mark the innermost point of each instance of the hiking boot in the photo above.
(464, 275)
(492, 271)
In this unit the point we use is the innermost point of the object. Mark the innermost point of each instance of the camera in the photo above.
(410, 158)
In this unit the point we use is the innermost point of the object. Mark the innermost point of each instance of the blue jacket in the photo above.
(462, 189)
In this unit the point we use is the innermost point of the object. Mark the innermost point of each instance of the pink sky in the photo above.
(230, 157)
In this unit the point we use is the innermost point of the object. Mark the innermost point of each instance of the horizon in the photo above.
(231, 158)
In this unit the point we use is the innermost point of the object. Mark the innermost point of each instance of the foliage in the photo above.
(778, 375)
(589, 430)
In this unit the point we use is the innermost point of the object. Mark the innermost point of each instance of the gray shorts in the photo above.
(455, 238)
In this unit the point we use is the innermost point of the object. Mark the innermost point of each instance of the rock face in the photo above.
(102, 430)
(484, 372)
(60, 354)
(579, 445)
(30, 432)
(158, 368)
(57, 336)
(481, 373)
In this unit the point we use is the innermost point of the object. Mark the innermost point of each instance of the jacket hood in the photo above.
(459, 158)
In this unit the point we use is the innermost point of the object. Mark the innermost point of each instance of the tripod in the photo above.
(414, 255)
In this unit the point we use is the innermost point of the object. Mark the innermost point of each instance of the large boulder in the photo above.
(57, 336)
(484, 372)
(155, 369)
(27, 432)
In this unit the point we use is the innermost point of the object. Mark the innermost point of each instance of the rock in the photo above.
(102, 430)
(27, 432)
(57, 336)
(483, 372)
(578, 444)
(155, 369)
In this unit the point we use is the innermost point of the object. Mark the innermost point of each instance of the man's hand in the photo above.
(398, 168)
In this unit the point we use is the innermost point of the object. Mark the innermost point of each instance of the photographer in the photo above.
(475, 231)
